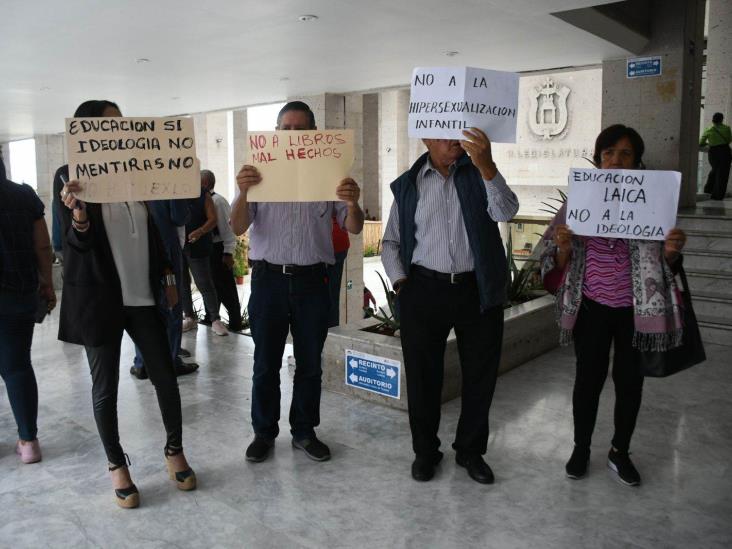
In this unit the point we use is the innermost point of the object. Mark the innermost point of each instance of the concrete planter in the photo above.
(529, 331)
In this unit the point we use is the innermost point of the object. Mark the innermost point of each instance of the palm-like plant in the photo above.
(388, 320)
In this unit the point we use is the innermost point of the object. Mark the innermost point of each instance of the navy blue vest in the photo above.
(491, 268)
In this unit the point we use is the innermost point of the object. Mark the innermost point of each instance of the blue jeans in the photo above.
(280, 303)
(17, 320)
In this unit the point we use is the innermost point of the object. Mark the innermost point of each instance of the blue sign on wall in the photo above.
(643, 66)
(373, 373)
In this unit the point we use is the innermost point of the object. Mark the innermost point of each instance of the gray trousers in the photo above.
(200, 268)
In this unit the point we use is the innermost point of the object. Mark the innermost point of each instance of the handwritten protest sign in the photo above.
(447, 100)
(299, 166)
(129, 159)
(638, 204)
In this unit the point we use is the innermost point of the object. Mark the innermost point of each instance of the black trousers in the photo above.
(720, 158)
(147, 330)
(223, 278)
(598, 327)
(429, 309)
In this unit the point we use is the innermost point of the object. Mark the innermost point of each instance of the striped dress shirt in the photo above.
(294, 233)
(441, 238)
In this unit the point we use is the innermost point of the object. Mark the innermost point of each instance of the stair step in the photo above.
(707, 223)
(712, 260)
(713, 304)
(708, 280)
(715, 329)
(709, 241)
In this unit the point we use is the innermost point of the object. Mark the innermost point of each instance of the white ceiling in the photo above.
(230, 53)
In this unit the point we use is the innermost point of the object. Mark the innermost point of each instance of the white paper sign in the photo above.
(637, 204)
(447, 100)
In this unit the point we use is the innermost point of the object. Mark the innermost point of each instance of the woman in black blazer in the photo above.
(114, 267)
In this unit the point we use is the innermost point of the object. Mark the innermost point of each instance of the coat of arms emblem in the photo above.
(548, 112)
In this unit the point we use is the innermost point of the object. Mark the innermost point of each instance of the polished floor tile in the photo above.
(365, 497)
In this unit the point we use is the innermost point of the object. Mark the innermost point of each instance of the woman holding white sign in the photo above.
(115, 265)
(612, 292)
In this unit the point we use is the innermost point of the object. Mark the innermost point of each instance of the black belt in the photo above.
(317, 268)
(452, 278)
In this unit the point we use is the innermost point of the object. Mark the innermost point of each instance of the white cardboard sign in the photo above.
(637, 204)
(447, 100)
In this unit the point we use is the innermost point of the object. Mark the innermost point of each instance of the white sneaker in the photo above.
(189, 323)
(218, 328)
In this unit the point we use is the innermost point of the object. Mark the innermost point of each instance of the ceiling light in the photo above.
(45, 88)
(306, 18)
(451, 53)
(175, 98)
(284, 79)
(142, 60)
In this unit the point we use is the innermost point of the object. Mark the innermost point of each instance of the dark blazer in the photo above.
(91, 300)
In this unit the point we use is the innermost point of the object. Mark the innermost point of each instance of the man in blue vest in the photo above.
(444, 255)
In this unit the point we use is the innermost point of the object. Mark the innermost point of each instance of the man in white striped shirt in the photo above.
(443, 253)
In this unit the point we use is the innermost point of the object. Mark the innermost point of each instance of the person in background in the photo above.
(222, 256)
(25, 286)
(115, 266)
(611, 292)
(197, 252)
(291, 245)
(169, 216)
(368, 300)
(718, 136)
(443, 251)
(341, 243)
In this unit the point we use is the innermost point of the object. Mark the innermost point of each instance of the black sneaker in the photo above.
(259, 449)
(577, 465)
(313, 448)
(139, 373)
(621, 464)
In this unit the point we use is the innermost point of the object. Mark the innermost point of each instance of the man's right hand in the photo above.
(247, 177)
(398, 285)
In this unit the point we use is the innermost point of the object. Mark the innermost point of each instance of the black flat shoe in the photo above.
(186, 368)
(139, 373)
(423, 467)
(313, 448)
(258, 450)
(184, 353)
(478, 469)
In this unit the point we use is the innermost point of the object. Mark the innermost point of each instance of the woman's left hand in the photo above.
(674, 243)
(171, 296)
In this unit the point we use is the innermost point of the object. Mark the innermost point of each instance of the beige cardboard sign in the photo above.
(299, 166)
(133, 159)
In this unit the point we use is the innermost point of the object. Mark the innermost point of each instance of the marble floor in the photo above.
(364, 497)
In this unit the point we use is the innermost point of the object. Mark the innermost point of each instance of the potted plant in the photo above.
(240, 261)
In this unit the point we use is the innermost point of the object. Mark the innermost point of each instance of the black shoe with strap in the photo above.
(313, 448)
(620, 463)
(576, 467)
(184, 480)
(423, 467)
(127, 498)
(258, 450)
(478, 469)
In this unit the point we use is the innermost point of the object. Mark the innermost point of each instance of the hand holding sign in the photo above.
(478, 147)
(348, 192)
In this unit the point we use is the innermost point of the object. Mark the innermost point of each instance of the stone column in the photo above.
(50, 155)
(664, 109)
(718, 95)
(240, 145)
(371, 187)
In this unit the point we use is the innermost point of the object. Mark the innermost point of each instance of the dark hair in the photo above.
(611, 135)
(209, 175)
(717, 118)
(297, 106)
(93, 108)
